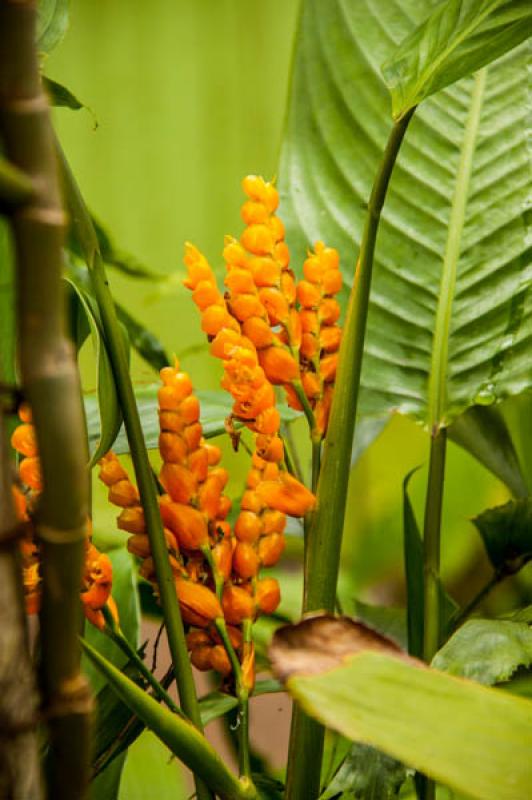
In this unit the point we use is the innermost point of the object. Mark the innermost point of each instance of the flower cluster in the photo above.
(98, 572)
(296, 347)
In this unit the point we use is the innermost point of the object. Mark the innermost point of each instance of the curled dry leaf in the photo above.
(321, 642)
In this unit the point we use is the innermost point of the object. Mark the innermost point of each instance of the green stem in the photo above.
(326, 527)
(477, 599)
(431, 562)
(115, 633)
(316, 462)
(307, 410)
(431, 545)
(243, 701)
(84, 228)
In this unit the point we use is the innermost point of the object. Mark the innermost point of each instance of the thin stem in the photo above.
(307, 409)
(291, 455)
(243, 701)
(431, 545)
(115, 633)
(326, 527)
(316, 463)
(477, 599)
(431, 561)
(86, 234)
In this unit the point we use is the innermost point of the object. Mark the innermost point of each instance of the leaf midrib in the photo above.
(440, 351)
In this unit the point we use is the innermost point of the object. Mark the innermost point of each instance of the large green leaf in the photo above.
(149, 773)
(486, 650)
(450, 317)
(457, 39)
(366, 774)
(472, 738)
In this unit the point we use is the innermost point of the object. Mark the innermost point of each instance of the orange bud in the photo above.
(257, 239)
(308, 294)
(311, 385)
(111, 470)
(245, 560)
(277, 228)
(188, 524)
(270, 471)
(179, 482)
(180, 381)
(209, 496)
(287, 495)
(214, 453)
(197, 638)
(275, 303)
(237, 605)
(265, 270)
(206, 294)
(224, 507)
(292, 399)
(278, 364)
(96, 618)
(222, 553)
(273, 522)
(220, 660)
(309, 322)
(251, 502)
(139, 545)
(132, 520)
(330, 338)
(309, 345)
(30, 473)
(171, 421)
(123, 494)
(254, 478)
(269, 448)
(198, 464)
(328, 366)
(332, 281)
(253, 212)
(329, 257)
(271, 549)
(24, 412)
(268, 422)
(258, 331)
(197, 266)
(214, 318)
(24, 441)
(172, 447)
(201, 657)
(281, 254)
(248, 527)
(268, 595)
(329, 311)
(244, 306)
(240, 281)
(233, 253)
(313, 269)
(192, 435)
(19, 500)
(189, 409)
(199, 605)
(258, 189)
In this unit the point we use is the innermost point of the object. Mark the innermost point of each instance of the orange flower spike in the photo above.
(237, 605)
(199, 605)
(268, 595)
(23, 440)
(287, 495)
(30, 473)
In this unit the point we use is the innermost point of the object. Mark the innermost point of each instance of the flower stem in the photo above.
(114, 341)
(325, 531)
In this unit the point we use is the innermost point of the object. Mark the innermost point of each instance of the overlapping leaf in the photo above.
(467, 143)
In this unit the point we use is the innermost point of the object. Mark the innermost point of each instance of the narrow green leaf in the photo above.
(181, 737)
(366, 774)
(337, 126)
(79, 328)
(484, 433)
(457, 39)
(413, 563)
(335, 749)
(108, 409)
(474, 739)
(216, 704)
(106, 785)
(486, 650)
(52, 23)
(144, 341)
(150, 775)
(506, 532)
(15, 186)
(59, 95)
(268, 788)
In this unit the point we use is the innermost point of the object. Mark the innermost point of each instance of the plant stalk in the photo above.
(51, 385)
(326, 527)
(431, 545)
(84, 228)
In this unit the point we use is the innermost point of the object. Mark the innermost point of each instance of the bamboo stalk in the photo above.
(51, 385)
(20, 774)
(324, 539)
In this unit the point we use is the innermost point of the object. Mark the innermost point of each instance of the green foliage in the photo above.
(484, 432)
(454, 208)
(52, 24)
(486, 650)
(150, 773)
(59, 95)
(507, 535)
(457, 39)
(366, 774)
(403, 710)
(84, 316)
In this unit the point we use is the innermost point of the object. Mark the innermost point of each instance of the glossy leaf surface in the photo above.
(450, 317)
(457, 39)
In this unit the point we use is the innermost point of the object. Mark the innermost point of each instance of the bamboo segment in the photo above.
(51, 387)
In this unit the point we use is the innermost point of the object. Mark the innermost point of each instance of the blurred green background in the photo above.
(189, 97)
